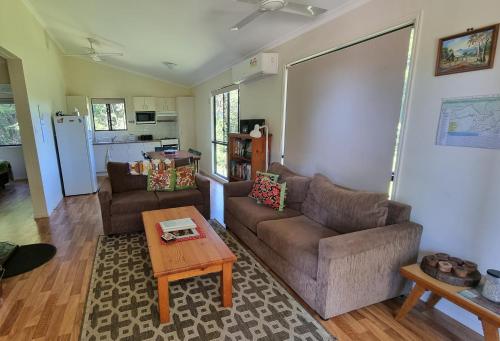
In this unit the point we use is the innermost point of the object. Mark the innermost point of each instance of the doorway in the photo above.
(12, 167)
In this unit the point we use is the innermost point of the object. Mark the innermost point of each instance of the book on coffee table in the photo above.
(177, 225)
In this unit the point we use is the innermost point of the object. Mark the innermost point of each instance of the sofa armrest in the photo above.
(362, 268)
(105, 196)
(203, 184)
(238, 188)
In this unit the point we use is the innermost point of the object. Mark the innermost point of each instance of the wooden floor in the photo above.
(47, 303)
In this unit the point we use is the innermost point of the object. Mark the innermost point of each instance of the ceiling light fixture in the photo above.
(170, 65)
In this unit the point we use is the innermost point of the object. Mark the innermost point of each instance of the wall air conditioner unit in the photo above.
(262, 65)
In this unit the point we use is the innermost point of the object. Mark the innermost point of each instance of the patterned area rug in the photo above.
(122, 301)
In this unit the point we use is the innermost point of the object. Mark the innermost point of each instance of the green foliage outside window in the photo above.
(109, 116)
(9, 127)
(226, 120)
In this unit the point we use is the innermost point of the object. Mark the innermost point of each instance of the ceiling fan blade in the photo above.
(108, 54)
(300, 9)
(255, 2)
(248, 19)
(95, 58)
(77, 54)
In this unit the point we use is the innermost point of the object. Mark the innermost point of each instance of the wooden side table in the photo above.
(438, 289)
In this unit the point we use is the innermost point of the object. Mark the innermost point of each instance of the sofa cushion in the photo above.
(249, 213)
(122, 181)
(184, 178)
(296, 191)
(133, 201)
(296, 185)
(296, 240)
(282, 171)
(185, 197)
(162, 181)
(342, 209)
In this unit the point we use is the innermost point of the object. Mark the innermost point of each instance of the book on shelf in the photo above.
(241, 170)
(242, 148)
(177, 225)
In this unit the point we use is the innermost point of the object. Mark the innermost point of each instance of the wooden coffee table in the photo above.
(186, 259)
(438, 289)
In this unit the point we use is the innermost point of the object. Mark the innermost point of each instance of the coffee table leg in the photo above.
(163, 304)
(226, 287)
(490, 331)
(410, 302)
(432, 300)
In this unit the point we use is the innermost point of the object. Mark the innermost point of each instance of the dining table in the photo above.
(179, 154)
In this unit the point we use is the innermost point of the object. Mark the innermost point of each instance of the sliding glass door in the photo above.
(226, 118)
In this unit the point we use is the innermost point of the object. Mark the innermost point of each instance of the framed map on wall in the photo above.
(470, 122)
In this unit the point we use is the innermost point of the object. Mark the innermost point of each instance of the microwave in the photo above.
(145, 117)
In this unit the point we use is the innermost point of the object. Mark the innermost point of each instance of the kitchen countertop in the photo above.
(123, 142)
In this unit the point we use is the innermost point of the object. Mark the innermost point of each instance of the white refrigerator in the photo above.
(76, 154)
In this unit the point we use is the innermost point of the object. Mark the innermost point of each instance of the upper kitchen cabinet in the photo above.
(81, 103)
(165, 105)
(144, 104)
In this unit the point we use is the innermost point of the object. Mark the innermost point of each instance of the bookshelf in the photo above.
(246, 156)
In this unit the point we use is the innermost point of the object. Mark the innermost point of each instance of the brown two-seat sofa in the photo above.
(323, 245)
(123, 197)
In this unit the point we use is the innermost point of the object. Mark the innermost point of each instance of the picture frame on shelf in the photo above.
(467, 51)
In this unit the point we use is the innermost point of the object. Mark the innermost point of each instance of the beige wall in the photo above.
(4, 73)
(454, 191)
(95, 80)
(21, 36)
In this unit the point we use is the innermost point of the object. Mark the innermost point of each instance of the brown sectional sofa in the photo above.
(123, 197)
(335, 270)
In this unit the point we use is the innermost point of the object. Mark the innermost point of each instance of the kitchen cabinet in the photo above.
(165, 105)
(81, 103)
(150, 146)
(185, 122)
(121, 152)
(144, 103)
(100, 151)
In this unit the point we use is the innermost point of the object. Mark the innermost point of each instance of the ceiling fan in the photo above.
(92, 53)
(278, 5)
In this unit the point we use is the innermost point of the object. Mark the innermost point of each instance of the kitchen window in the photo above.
(9, 127)
(226, 119)
(109, 114)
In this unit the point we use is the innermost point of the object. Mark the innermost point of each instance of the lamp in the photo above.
(257, 134)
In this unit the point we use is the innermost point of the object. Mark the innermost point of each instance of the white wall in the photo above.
(14, 154)
(454, 191)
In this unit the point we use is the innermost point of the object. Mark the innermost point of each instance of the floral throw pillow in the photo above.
(255, 193)
(161, 181)
(143, 167)
(273, 194)
(184, 178)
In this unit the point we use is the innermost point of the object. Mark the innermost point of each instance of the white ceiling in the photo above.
(192, 33)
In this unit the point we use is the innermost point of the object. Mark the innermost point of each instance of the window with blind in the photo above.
(9, 127)
(343, 109)
(109, 114)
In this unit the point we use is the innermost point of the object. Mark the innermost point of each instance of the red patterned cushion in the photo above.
(272, 194)
(161, 181)
(256, 188)
(184, 178)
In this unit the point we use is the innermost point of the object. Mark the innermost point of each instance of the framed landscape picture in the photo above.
(469, 51)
